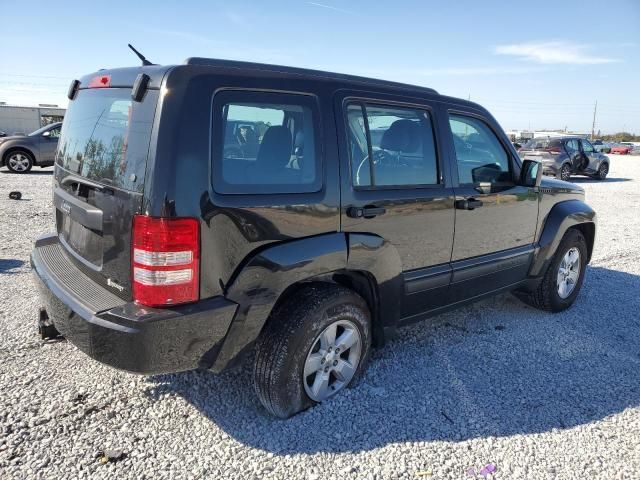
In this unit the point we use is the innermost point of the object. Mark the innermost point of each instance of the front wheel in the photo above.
(315, 345)
(19, 161)
(564, 276)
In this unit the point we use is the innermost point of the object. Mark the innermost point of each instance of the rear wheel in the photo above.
(565, 172)
(19, 161)
(315, 345)
(603, 170)
(564, 276)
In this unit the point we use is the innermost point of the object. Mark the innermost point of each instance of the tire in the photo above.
(547, 295)
(603, 170)
(565, 172)
(19, 161)
(289, 340)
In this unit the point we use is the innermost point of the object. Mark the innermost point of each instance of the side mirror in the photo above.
(47, 133)
(531, 173)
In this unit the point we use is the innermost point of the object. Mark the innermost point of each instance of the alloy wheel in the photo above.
(19, 162)
(568, 272)
(332, 360)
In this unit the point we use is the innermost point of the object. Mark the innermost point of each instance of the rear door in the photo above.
(99, 180)
(496, 218)
(393, 185)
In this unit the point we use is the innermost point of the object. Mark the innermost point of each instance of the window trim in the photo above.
(216, 141)
(362, 102)
(513, 162)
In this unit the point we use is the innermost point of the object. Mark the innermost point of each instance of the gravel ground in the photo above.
(534, 394)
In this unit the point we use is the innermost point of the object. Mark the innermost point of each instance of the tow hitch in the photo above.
(46, 329)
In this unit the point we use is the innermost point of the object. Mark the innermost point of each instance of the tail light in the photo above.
(165, 259)
(554, 150)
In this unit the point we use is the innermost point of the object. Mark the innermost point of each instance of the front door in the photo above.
(49, 144)
(496, 218)
(393, 186)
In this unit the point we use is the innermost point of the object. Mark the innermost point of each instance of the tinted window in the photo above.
(265, 143)
(572, 145)
(542, 144)
(587, 147)
(400, 142)
(105, 136)
(480, 156)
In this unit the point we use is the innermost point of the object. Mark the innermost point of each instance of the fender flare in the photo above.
(561, 218)
(264, 277)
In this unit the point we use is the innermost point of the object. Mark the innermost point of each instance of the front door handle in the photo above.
(468, 204)
(369, 211)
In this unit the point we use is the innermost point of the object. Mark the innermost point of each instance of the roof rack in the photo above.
(215, 62)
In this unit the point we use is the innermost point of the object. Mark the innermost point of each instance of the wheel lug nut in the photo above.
(322, 360)
(329, 349)
(335, 362)
(337, 350)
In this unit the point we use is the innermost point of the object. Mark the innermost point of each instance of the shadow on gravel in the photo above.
(594, 180)
(9, 266)
(497, 368)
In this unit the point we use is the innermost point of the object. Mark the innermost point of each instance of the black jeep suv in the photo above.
(215, 208)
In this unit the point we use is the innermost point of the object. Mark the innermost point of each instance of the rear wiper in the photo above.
(72, 179)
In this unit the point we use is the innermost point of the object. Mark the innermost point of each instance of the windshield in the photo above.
(40, 131)
(105, 136)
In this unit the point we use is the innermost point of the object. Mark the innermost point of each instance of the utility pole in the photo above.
(593, 126)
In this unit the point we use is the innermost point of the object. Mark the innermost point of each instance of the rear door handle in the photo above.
(468, 204)
(365, 212)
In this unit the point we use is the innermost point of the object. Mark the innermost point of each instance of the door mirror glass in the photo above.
(47, 133)
(531, 173)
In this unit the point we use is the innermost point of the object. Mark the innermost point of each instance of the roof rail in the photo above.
(215, 62)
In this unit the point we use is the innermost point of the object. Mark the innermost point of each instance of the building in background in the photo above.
(523, 135)
(23, 120)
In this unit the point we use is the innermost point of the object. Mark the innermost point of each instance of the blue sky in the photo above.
(535, 64)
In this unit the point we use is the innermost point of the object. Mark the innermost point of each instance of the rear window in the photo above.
(541, 143)
(105, 136)
(265, 143)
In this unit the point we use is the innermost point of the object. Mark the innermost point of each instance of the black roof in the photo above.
(305, 72)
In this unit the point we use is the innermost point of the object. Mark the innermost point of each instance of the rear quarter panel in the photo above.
(232, 226)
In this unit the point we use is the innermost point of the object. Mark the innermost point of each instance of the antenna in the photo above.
(593, 125)
(145, 62)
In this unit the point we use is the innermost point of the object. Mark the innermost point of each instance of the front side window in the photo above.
(265, 143)
(587, 147)
(481, 158)
(391, 146)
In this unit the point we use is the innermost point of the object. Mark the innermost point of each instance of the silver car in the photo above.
(566, 156)
(19, 153)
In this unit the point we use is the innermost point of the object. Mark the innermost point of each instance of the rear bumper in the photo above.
(123, 334)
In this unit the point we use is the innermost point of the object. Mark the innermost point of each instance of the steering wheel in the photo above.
(380, 157)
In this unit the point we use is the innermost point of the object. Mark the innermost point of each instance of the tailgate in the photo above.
(99, 181)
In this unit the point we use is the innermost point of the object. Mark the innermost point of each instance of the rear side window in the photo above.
(481, 158)
(105, 136)
(391, 146)
(265, 143)
(572, 145)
